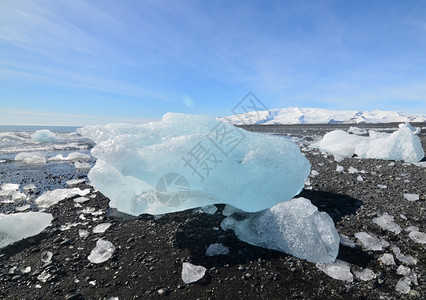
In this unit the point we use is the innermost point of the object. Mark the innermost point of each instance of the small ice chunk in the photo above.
(359, 178)
(339, 270)
(387, 222)
(10, 187)
(217, 249)
(208, 209)
(29, 187)
(50, 198)
(192, 273)
(83, 233)
(382, 186)
(32, 158)
(46, 256)
(101, 228)
(26, 270)
(14, 227)
(403, 270)
(23, 207)
(75, 181)
(82, 165)
(365, 275)
(412, 197)
(346, 241)
(352, 170)
(229, 210)
(44, 276)
(44, 136)
(411, 228)
(340, 169)
(418, 236)
(295, 227)
(102, 252)
(71, 156)
(314, 173)
(81, 199)
(357, 131)
(403, 285)
(370, 241)
(405, 259)
(387, 259)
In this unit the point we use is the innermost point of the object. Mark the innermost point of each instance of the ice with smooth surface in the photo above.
(44, 136)
(217, 249)
(411, 197)
(50, 198)
(339, 169)
(346, 241)
(405, 259)
(387, 259)
(14, 227)
(295, 227)
(31, 158)
(101, 228)
(192, 273)
(208, 209)
(250, 171)
(370, 241)
(403, 285)
(402, 144)
(102, 252)
(418, 236)
(365, 275)
(387, 222)
(403, 270)
(339, 270)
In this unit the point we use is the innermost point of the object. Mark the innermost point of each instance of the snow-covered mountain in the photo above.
(295, 115)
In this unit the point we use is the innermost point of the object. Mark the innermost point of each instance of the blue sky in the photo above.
(93, 62)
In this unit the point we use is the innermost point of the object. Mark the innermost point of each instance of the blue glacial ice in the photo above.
(295, 227)
(44, 136)
(14, 227)
(187, 161)
(403, 144)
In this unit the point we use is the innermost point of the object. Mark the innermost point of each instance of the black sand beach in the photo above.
(150, 251)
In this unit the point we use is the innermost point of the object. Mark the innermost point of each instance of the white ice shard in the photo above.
(14, 227)
(82, 165)
(50, 198)
(101, 228)
(370, 241)
(208, 209)
(387, 222)
(192, 273)
(418, 236)
(32, 158)
(402, 144)
(411, 197)
(365, 275)
(403, 285)
(75, 181)
(387, 259)
(295, 227)
(339, 270)
(217, 249)
(71, 156)
(357, 131)
(187, 161)
(44, 136)
(102, 252)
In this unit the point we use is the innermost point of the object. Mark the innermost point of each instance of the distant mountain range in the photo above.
(296, 115)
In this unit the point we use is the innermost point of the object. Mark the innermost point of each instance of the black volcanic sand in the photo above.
(149, 252)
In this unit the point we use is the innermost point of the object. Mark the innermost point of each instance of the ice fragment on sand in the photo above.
(405, 259)
(102, 252)
(403, 285)
(50, 198)
(75, 181)
(314, 173)
(257, 172)
(43, 136)
(357, 131)
(229, 210)
(418, 236)
(359, 178)
(192, 273)
(339, 270)
(387, 259)
(101, 228)
(14, 227)
(32, 158)
(346, 241)
(44, 276)
(387, 222)
(403, 270)
(352, 170)
(411, 228)
(370, 241)
(295, 227)
(208, 209)
(81, 199)
(82, 165)
(412, 197)
(382, 186)
(83, 233)
(217, 249)
(402, 144)
(339, 169)
(365, 275)
(71, 156)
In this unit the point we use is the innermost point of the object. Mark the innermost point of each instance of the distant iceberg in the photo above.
(403, 144)
(187, 161)
(44, 136)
